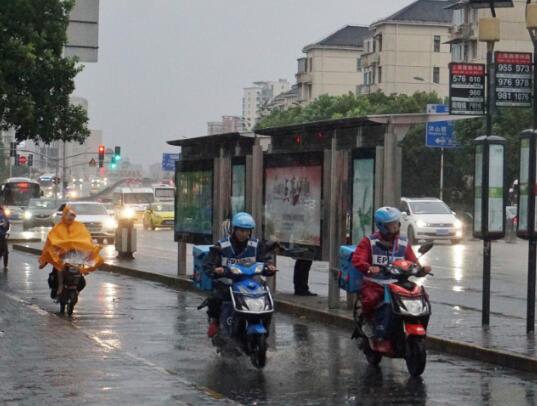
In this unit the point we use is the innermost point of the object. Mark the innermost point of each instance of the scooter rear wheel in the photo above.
(373, 357)
(259, 351)
(416, 355)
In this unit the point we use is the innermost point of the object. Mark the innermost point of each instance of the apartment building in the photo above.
(256, 97)
(464, 31)
(330, 65)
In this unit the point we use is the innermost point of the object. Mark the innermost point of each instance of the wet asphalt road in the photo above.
(136, 342)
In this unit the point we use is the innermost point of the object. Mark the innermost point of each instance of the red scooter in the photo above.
(405, 315)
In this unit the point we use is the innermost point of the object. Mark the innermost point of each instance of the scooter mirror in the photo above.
(425, 248)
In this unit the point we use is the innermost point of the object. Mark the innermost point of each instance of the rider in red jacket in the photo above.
(370, 255)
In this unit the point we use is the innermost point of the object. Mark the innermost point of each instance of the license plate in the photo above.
(442, 231)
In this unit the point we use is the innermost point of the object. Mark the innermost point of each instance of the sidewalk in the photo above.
(453, 329)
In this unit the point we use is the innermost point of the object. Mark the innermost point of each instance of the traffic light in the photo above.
(113, 163)
(12, 149)
(30, 160)
(101, 156)
(117, 153)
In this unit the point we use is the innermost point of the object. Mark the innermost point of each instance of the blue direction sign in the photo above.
(168, 161)
(437, 109)
(440, 134)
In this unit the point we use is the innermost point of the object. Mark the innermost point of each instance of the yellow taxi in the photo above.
(158, 215)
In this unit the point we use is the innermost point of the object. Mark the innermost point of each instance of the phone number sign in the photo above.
(467, 89)
(513, 79)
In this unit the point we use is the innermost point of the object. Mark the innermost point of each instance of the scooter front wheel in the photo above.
(259, 351)
(415, 355)
(71, 303)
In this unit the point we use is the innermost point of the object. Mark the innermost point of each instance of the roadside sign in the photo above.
(168, 161)
(467, 89)
(440, 134)
(513, 79)
(22, 160)
(92, 163)
(437, 109)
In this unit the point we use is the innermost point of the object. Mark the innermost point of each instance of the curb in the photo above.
(23, 240)
(493, 356)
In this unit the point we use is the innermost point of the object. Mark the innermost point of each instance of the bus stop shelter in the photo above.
(312, 186)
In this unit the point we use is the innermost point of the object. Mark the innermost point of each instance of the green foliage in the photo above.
(334, 107)
(35, 80)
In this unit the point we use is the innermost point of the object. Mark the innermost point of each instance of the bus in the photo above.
(135, 199)
(164, 193)
(16, 194)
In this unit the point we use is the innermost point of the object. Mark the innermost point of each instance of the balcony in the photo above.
(370, 59)
(462, 32)
(304, 77)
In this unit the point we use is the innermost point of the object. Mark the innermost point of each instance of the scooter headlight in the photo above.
(414, 307)
(235, 271)
(255, 304)
(259, 268)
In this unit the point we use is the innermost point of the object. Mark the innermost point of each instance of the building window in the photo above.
(311, 64)
(436, 74)
(380, 42)
(437, 43)
(380, 74)
(358, 64)
(474, 49)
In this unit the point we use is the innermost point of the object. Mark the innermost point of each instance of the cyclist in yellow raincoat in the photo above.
(68, 235)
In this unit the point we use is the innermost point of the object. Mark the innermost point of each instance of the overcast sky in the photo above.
(166, 67)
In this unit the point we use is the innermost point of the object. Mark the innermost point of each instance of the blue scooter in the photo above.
(245, 319)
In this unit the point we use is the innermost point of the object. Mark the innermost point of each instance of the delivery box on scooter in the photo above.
(202, 279)
(350, 279)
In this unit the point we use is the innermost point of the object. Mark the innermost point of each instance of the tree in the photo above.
(35, 79)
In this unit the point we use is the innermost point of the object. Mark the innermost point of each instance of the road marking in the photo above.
(110, 347)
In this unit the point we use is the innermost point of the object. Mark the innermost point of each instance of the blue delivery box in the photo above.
(202, 279)
(350, 279)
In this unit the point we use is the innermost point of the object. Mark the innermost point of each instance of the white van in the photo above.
(136, 199)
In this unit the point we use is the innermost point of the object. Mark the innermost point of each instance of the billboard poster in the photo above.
(478, 181)
(496, 213)
(194, 205)
(362, 198)
(523, 186)
(238, 183)
(293, 204)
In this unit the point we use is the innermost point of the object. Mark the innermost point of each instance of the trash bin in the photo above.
(126, 238)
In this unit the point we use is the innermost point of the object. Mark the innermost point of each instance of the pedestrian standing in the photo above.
(301, 276)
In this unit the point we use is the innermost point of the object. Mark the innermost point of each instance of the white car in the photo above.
(101, 225)
(429, 219)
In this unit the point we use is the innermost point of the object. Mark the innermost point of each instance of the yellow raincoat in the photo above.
(66, 237)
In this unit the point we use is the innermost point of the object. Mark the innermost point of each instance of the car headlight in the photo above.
(458, 224)
(110, 224)
(127, 213)
(421, 223)
(7, 212)
(27, 215)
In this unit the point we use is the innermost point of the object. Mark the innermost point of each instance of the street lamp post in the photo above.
(526, 193)
(489, 155)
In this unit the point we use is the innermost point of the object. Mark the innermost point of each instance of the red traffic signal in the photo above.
(22, 160)
(101, 156)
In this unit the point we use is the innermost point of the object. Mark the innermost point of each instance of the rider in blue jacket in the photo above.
(239, 245)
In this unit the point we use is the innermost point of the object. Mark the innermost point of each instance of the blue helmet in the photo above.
(386, 215)
(243, 220)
